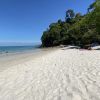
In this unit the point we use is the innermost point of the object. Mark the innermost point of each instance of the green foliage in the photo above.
(70, 13)
(69, 16)
(76, 29)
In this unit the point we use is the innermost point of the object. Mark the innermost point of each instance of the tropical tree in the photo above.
(78, 29)
(69, 15)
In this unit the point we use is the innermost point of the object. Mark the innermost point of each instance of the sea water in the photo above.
(17, 49)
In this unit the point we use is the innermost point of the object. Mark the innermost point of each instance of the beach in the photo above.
(59, 74)
(10, 59)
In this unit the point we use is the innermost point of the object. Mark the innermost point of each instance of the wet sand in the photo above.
(10, 59)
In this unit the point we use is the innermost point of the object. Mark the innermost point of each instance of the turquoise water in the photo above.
(17, 49)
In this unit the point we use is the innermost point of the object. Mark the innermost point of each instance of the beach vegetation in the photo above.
(76, 29)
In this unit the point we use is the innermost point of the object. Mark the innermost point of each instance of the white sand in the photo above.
(59, 75)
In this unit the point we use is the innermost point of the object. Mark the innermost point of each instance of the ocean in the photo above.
(17, 49)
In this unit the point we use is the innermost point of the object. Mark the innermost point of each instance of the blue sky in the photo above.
(25, 20)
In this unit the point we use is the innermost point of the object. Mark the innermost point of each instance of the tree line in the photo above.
(77, 29)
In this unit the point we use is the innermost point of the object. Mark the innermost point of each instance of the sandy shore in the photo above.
(10, 59)
(59, 75)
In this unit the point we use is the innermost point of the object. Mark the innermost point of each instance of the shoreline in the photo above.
(11, 59)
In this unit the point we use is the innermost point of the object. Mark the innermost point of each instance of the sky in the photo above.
(25, 20)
